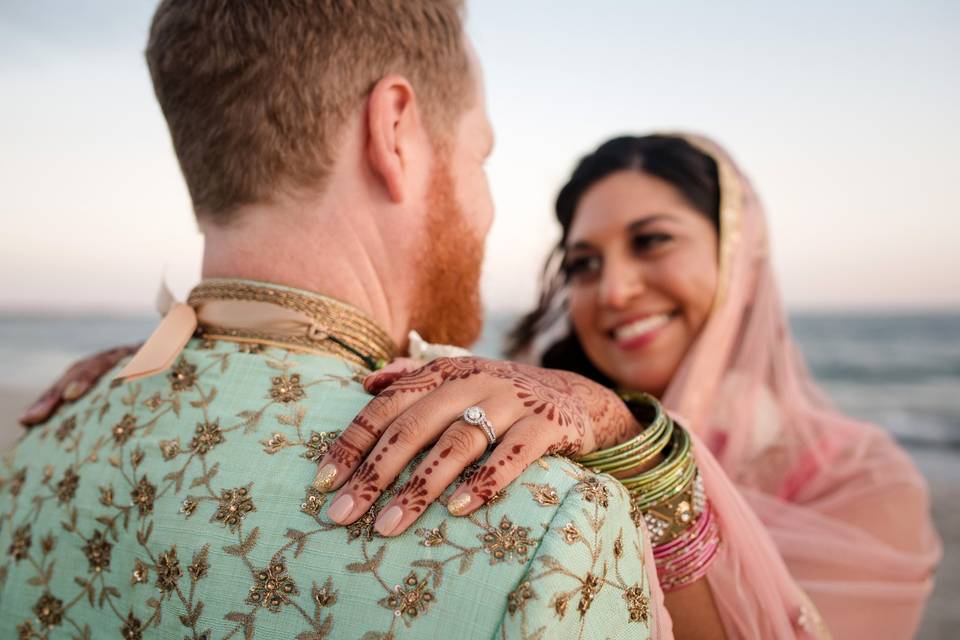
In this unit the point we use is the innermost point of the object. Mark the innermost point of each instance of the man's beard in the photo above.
(446, 303)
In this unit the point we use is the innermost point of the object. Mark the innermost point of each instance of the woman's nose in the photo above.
(620, 284)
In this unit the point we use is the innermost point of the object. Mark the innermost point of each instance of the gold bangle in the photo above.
(640, 449)
(669, 495)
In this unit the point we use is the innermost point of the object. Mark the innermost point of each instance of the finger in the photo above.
(402, 441)
(526, 441)
(458, 447)
(43, 408)
(383, 378)
(352, 445)
(75, 382)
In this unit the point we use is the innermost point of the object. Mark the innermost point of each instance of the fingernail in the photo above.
(456, 506)
(74, 390)
(325, 477)
(388, 521)
(34, 412)
(341, 508)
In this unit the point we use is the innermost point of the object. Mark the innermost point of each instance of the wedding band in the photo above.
(477, 417)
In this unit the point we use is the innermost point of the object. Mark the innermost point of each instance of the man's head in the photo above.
(357, 116)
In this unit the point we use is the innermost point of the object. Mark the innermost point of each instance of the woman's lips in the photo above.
(642, 332)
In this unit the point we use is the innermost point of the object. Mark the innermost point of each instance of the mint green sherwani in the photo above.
(179, 506)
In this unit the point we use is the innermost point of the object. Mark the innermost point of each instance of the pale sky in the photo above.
(845, 113)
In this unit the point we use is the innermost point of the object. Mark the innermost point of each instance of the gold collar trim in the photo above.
(250, 311)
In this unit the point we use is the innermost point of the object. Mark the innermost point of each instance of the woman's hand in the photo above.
(533, 412)
(74, 383)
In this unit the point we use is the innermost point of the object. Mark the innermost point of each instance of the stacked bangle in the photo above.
(670, 496)
(637, 451)
(687, 558)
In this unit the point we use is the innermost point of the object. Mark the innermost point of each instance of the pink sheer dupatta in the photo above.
(825, 520)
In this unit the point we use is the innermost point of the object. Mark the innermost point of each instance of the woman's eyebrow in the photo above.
(634, 226)
(580, 245)
(647, 220)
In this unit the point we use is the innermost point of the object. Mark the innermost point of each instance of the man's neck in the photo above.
(344, 258)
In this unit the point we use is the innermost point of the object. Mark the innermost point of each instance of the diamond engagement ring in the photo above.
(478, 418)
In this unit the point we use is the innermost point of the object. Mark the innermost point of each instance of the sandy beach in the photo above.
(942, 619)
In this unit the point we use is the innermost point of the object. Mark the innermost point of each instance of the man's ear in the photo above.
(394, 123)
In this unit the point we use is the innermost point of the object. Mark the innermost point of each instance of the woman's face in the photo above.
(642, 268)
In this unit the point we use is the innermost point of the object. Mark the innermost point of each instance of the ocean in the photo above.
(900, 371)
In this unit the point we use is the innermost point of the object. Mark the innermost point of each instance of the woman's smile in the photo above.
(641, 330)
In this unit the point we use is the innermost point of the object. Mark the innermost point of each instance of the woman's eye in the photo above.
(645, 242)
(581, 267)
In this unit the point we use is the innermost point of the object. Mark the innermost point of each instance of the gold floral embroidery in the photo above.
(636, 515)
(20, 547)
(208, 435)
(25, 631)
(168, 570)
(433, 537)
(276, 442)
(188, 506)
(313, 502)
(140, 574)
(506, 542)
(638, 604)
(124, 429)
(363, 528)
(106, 496)
(410, 599)
(543, 494)
(324, 596)
(570, 533)
(132, 628)
(594, 490)
(66, 428)
(272, 587)
(518, 597)
(49, 610)
(318, 444)
(16, 482)
(47, 543)
(591, 587)
(67, 487)
(560, 605)
(495, 498)
(183, 376)
(234, 505)
(287, 389)
(169, 449)
(154, 402)
(198, 568)
(97, 549)
(143, 495)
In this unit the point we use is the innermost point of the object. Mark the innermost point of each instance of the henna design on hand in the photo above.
(482, 483)
(411, 495)
(345, 450)
(365, 482)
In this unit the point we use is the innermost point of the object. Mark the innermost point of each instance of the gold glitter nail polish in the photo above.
(325, 477)
(74, 390)
(456, 506)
